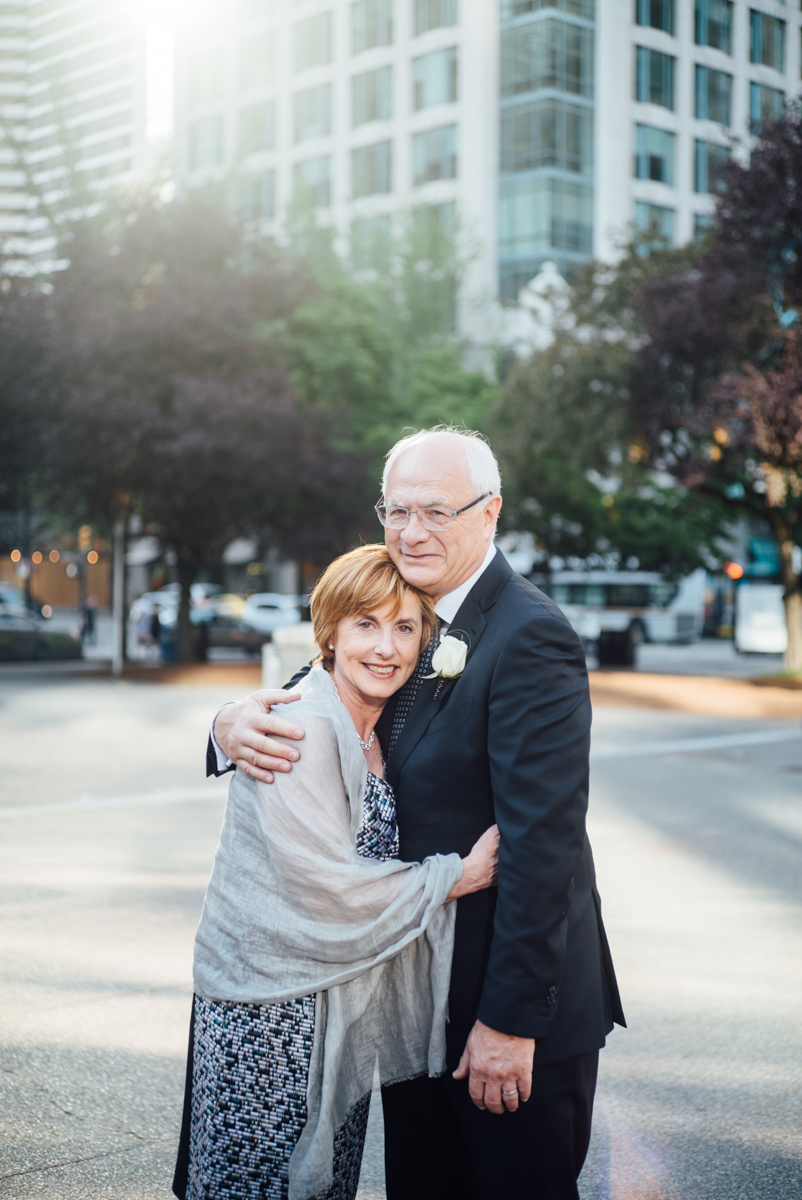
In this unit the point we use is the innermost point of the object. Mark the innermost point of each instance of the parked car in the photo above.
(14, 599)
(23, 638)
(268, 611)
(214, 630)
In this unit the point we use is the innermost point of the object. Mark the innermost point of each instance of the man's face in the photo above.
(434, 473)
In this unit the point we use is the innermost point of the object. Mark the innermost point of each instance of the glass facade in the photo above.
(766, 105)
(434, 155)
(372, 169)
(312, 179)
(206, 143)
(713, 24)
(708, 158)
(655, 14)
(256, 61)
(312, 41)
(258, 197)
(654, 77)
(372, 96)
(766, 40)
(257, 127)
(654, 154)
(434, 78)
(546, 138)
(371, 24)
(311, 113)
(656, 220)
(434, 14)
(713, 95)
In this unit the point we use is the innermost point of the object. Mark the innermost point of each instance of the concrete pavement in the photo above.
(107, 832)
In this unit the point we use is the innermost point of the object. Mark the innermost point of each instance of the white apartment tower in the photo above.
(553, 125)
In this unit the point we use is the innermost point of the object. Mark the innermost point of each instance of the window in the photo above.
(257, 197)
(518, 8)
(372, 169)
(766, 40)
(709, 157)
(205, 77)
(766, 105)
(433, 14)
(434, 154)
(206, 143)
(654, 77)
(370, 238)
(371, 24)
(257, 127)
(547, 133)
(655, 219)
(701, 224)
(312, 180)
(713, 95)
(434, 78)
(654, 154)
(257, 64)
(713, 24)
(539, 215)
(253, 10)
(551, 54)
(655, 14)
(312, 113)
(430, 220)
(372, 96)
(312, 41)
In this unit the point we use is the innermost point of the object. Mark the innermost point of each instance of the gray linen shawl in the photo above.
(292, 909)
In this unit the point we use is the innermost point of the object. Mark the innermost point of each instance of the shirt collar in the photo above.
(449, 605)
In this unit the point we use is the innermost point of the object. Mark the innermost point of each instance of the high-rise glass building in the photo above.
(72, 110)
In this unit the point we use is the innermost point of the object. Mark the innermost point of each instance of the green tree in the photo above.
(575, 470)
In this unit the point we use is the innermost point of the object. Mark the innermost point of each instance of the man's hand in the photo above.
(494, 1064)
(241, 730)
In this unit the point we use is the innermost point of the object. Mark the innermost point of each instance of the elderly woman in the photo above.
(319, 954)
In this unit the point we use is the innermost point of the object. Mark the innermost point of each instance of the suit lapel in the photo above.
(433, 693)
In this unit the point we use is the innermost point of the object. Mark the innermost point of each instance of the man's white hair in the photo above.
(479, 458)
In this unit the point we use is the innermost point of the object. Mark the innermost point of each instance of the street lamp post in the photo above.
(118, 597)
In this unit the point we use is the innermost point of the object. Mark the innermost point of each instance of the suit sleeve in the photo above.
(538, 744)
(213, 753)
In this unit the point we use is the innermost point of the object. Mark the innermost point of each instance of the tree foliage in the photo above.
(571, 457)
(718, 389)
(170, 399)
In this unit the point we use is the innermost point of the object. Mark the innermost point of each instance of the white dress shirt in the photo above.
(446, 609)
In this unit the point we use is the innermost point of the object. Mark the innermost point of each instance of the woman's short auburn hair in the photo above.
(362, 581)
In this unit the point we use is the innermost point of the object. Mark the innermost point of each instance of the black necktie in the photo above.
(410, 689)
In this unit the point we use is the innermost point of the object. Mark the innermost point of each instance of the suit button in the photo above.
(553, 991)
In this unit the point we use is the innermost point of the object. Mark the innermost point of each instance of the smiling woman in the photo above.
(309, 896)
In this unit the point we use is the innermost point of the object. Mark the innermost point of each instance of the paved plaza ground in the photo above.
(107, 832)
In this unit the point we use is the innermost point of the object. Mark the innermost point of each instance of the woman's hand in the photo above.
(480, 868)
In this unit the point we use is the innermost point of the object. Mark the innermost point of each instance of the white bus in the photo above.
(620, 609)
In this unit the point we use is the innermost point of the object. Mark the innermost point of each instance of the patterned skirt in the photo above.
(245, 1106)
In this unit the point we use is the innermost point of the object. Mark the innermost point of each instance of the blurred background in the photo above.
(246, 245)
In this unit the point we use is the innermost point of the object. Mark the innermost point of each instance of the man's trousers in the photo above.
(440, 1146)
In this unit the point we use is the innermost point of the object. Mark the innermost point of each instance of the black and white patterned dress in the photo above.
(246, 1081)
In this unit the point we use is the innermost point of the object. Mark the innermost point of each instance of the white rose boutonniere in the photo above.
(448, 660)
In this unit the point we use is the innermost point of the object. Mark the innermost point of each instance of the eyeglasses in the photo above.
(393, 516)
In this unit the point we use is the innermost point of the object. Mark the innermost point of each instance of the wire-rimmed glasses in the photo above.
(435, 518)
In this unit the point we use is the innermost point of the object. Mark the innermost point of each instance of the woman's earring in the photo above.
(331, 645)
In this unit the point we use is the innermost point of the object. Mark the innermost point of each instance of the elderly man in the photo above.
(533, 992)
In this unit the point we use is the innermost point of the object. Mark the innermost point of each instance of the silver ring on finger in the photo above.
(514, 1092)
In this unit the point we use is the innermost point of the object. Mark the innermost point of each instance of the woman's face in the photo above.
(375, 653)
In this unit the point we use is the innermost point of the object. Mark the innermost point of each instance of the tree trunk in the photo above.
(792, 596)
(187, 570)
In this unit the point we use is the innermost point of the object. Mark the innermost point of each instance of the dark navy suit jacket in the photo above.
(508, 741)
